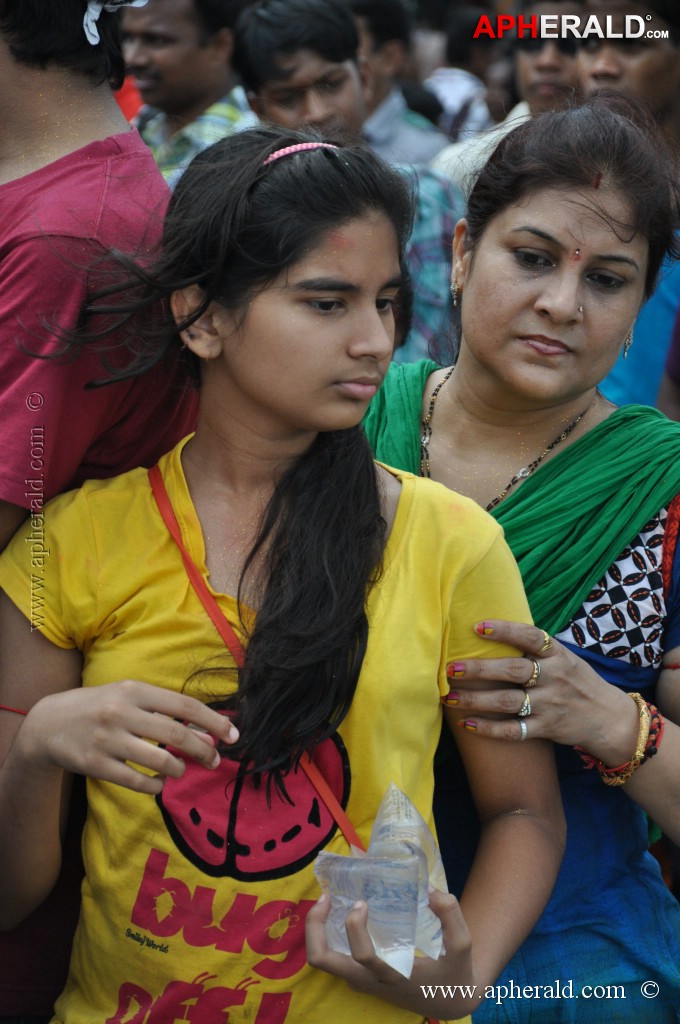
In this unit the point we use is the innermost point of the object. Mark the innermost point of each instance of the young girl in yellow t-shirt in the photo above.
(327, 596)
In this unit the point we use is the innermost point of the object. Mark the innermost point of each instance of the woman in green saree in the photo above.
(566, 229)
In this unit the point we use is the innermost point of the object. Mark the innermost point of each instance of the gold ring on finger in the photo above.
(535, 675)
(525, 710)
(547, 643)
(523, 731)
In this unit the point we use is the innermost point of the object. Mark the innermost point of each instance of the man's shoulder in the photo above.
(399, 134)
(107, 182)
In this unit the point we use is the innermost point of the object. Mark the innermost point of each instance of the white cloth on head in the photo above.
(95, 8)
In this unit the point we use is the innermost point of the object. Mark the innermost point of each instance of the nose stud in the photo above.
(580, 309)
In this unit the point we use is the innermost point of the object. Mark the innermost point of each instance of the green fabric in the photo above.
(601, 490)
(392, 421)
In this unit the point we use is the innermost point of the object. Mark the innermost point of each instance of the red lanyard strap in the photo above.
(220, 621)
(330, 800)
(235, 646)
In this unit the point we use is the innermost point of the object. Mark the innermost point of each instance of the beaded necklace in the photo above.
(426, 435)
(521, 474)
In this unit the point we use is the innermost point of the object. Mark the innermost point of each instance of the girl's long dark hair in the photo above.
(234, 225)
(305, 654)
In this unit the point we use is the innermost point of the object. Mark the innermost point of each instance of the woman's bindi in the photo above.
(576, 255)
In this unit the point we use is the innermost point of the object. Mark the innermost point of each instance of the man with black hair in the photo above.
(299, 63)
(75, 182)
(393, 131)
(646, 67)
(179, 55)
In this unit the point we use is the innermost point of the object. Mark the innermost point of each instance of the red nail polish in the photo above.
(484, 628)
(455, 670)
(470, 726)
(452, 697)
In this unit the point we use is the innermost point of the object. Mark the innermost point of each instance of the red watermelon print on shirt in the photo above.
(223, 823)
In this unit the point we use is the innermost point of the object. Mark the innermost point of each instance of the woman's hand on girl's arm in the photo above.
(569, 702)
(573, 705)
(366, 972)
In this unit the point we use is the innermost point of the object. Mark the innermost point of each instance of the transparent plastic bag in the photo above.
(392, 877)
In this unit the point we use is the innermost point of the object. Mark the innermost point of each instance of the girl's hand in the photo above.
(118, 732)
(560, 696)
(366, 972)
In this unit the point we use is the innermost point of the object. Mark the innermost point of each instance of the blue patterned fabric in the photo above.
(440, 204)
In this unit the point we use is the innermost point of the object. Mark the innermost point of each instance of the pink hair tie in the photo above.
(299, 148)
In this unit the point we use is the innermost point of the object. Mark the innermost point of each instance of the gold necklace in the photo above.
(526, 471)
(521, 474)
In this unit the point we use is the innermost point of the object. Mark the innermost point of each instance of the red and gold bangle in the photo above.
(648, 742)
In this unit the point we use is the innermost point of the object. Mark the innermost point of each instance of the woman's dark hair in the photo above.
(607, 143)
(234, 225)
(50, 33)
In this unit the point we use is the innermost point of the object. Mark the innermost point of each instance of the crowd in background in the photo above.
(439, 87)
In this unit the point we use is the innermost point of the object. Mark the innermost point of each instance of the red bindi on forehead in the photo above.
(339, 240)
(576, 255)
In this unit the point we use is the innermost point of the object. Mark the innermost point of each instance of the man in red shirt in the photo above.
(75, 181)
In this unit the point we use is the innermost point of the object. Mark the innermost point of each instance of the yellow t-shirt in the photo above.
(194, 902)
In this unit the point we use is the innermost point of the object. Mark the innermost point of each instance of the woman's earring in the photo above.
(454, 293)
(627, 343)
(186, 335)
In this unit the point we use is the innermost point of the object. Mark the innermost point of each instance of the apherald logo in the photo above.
(562, 26)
